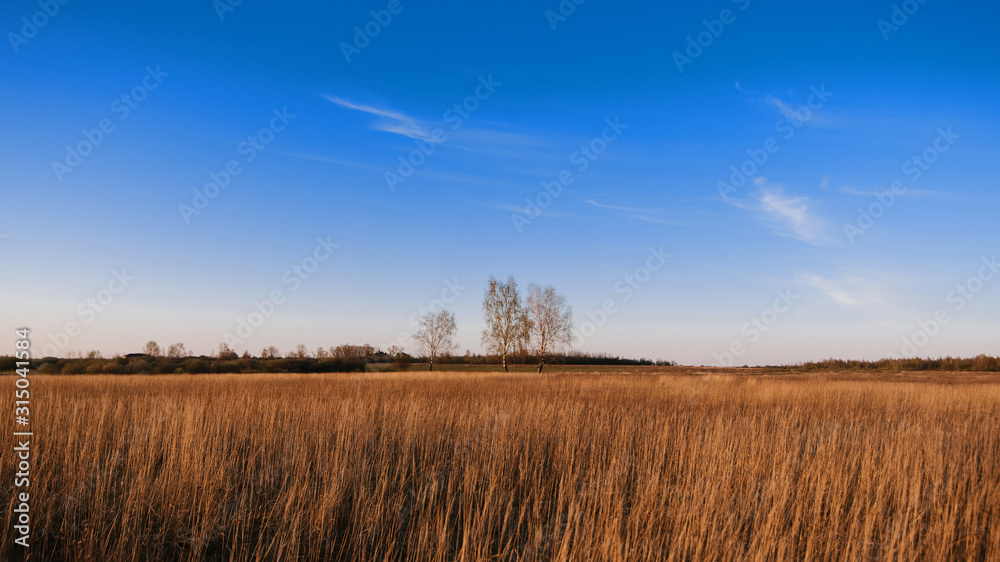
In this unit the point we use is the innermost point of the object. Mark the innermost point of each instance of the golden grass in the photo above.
(452, 466)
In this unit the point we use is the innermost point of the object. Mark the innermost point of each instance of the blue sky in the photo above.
(207, 87)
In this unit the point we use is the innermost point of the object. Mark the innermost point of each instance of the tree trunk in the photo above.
(540, 365)
(504, 359)
(430, 366)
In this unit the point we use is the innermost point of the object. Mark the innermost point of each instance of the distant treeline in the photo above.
(144, 364)
(367, 358)
(573, 358)
(978, 363)
(137, 364)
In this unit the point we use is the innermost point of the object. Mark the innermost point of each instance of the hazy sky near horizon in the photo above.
(170, 170)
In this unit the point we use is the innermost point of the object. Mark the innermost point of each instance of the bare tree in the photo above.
(269, 352)
(176, 351)
(322, 353)
(507, 325)
(301, 352)
(226, 353)
(151, 348)
(400, 360)
(551, 321)
(435, 335)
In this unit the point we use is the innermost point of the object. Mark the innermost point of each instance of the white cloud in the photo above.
(783, 107)
(787, 215)
(810, 117)
(791, 216)
(635, 213)
(644, 218)
(866, 289)
(327, 160)
(910, 191)
(615, 207)
(852, 191)
(832, 289)
(392, 121)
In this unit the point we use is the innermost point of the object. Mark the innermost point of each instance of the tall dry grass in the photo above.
(472, 467)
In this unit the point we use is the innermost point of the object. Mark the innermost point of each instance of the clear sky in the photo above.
(167, 166)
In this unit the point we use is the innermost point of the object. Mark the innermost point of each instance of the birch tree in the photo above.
(507, 325)
(550, 321)
(435, 335)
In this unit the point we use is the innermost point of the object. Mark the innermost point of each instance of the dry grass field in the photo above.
(638, 464)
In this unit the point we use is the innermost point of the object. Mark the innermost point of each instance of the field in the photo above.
(613, 464)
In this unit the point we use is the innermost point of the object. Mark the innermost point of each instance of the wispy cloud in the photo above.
(809, 117)
(487, 139)
(392, 121)
(910, 191)
(327, 160)
(852, 191)
(634, 213)
(653, 220)
(864, 289)
(824, 184)
(518, 210)
(785, 108)
(494, 139)
(614, 207)
(832, 289)
(790, 216)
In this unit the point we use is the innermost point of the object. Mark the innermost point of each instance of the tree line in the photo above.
(534, 328)
(144, 364)
(978, 363)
